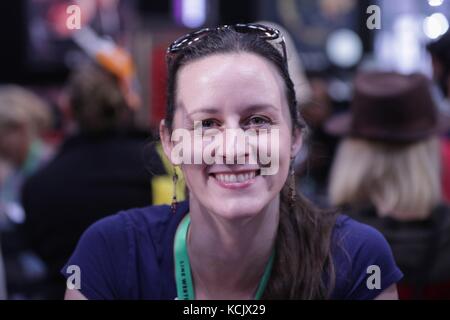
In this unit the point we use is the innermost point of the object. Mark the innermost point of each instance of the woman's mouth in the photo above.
(235, 180)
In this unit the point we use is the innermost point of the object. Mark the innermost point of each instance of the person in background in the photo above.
(440, 59)
(386, 173)
(100, 168)
(24, 119)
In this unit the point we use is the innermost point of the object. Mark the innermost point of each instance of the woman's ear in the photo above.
(166, 141)
(297, 141)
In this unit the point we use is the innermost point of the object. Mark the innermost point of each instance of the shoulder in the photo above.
(354, 235)
(359, 252)
(117, 252)
(151, 220)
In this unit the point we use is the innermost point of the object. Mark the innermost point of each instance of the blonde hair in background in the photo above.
(402, 182)
(22, 106)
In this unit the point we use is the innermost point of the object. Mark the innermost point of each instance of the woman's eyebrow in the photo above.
(261, 107)
(251, 108)
(204, 110)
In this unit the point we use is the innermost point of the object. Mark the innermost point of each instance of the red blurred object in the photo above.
(429, 292)
(158, 84)
(57, 16)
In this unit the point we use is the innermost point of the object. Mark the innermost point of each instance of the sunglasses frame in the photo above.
(264, 32)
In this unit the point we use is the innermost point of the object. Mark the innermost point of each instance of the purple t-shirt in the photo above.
(129, 255)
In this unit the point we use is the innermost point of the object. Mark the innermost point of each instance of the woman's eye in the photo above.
(208, 123)
(258, 121)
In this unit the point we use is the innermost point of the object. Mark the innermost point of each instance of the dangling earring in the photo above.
(292, 186)
(174, 197)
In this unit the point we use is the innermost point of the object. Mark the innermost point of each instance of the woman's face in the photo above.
(234, 91)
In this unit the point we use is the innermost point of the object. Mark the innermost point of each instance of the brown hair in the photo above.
(302, 246)
(96, 99)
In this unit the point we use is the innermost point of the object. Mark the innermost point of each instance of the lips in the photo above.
(235, 180)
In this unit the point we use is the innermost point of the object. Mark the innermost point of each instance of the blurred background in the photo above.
(56, 67)
(331, 35)
(35, 54)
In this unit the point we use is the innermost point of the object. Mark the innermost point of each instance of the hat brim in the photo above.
(340, 124)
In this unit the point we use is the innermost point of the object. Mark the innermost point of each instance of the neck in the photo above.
(228, 256)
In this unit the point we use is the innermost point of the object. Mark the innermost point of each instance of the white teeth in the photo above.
(232, 178)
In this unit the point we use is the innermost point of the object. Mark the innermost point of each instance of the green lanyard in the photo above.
(183, 276)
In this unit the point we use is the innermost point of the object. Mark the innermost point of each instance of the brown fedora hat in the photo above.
(390, 107)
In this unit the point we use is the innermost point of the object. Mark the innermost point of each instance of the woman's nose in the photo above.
(234, 148)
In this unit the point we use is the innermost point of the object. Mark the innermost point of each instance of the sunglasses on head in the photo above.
(261, 31)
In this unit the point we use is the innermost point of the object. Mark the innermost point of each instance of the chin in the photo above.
(240, 208)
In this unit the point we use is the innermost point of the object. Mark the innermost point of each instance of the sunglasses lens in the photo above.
(187, 40)
(257, 29)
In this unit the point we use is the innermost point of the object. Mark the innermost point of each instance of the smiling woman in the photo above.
(242, 234)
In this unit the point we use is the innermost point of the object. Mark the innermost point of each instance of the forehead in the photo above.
(229, 80)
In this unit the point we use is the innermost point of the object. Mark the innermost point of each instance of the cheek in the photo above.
(194, 177)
